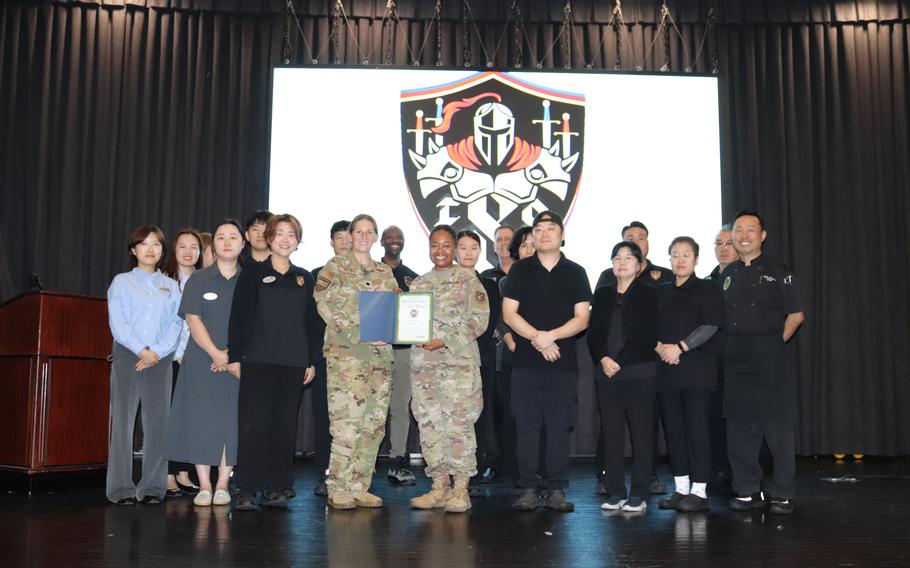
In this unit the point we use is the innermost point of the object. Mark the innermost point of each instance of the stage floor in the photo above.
(859, 520)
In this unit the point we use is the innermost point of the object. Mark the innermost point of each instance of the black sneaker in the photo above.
(274, 498)
(634, 505)
(613, 503)
(692, 503)
(657, 487)
(672, 502)
(152, 500)
(556, 500)
(747, 503)
(399, 474)
(245, 501)
(321, 489)
(780, 506)
(528, 501)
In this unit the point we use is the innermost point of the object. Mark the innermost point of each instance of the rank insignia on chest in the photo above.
(480, 296)
(300, 281)
(655, 275)
(726, 283)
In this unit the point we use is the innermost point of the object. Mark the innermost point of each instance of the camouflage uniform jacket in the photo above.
(460, 313)
(337, 295)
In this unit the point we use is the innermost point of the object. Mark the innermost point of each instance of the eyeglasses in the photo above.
(722, 244)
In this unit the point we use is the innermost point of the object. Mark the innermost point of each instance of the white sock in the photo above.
(682, 484)
(699, 489)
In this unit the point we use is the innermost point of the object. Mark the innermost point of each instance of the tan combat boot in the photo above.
(367, 499)
(459, 501)
(437, 496)
(341, 501)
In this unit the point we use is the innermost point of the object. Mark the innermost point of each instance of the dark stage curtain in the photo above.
(116, 113)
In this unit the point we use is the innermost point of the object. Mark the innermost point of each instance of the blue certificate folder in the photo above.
(377, 316)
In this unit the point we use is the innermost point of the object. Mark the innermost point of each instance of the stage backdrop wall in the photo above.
(114, 114)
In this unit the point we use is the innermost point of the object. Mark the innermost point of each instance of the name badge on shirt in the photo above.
(210, 296)
(268, 279)
(166, 291)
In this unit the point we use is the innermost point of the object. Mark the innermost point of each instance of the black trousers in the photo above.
(686, 416)
(544, 399)
(629, 402)
(173, 468)
(718, 428)
(319, 402)
(744, 443)
(267, 418)
(489, 451)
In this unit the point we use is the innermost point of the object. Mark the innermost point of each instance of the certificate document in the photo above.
(414, 324)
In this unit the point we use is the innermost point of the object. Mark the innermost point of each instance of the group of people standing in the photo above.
(495, 390)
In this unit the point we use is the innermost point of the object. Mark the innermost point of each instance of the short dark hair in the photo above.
(468, 233)
(339, 227)
(517, 238)
(748, 213)
(633, 248)
(225, 221)
(445, 229)
(634, 225)
(260, 217)
(683, 239)
(138, 235)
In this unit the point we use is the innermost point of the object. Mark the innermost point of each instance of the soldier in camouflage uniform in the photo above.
(445, 376)
(359, 374)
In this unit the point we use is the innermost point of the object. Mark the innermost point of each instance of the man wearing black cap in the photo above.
(650, 273)
(546, 304)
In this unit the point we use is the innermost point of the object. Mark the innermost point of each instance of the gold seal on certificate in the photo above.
(414, 324)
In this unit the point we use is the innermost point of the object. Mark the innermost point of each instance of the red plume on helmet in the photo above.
(450, 109)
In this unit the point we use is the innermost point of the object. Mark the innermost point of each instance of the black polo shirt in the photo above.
(486, 342)
(653, 276)
(680, 311)
(759, 297)
(546, 300)
(273, 317)
(495, 274)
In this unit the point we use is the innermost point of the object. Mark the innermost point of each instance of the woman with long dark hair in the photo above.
(142, 310)
(186, 259)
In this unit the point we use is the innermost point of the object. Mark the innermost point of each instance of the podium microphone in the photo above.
(34, 283)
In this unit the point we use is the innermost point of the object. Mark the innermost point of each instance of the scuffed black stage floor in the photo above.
(845, 523)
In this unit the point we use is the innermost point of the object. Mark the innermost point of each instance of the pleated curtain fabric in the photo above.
(118, 113)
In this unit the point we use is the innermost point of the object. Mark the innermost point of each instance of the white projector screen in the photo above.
(416, 147)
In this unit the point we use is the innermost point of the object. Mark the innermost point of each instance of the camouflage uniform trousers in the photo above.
(446, 399)
(358, 393)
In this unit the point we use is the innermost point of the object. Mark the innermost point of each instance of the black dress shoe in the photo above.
(187, 489)
(245, 501)
(127, 501)
(692, 503)
(747, 503)
(321, 490)
(274, 498)
(171, 493)
(152, 500)
(780, 506)
(671, 502)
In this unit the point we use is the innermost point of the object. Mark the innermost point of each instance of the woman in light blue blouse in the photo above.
(142, 310)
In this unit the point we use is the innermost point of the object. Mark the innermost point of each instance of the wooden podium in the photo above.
(54, 385)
